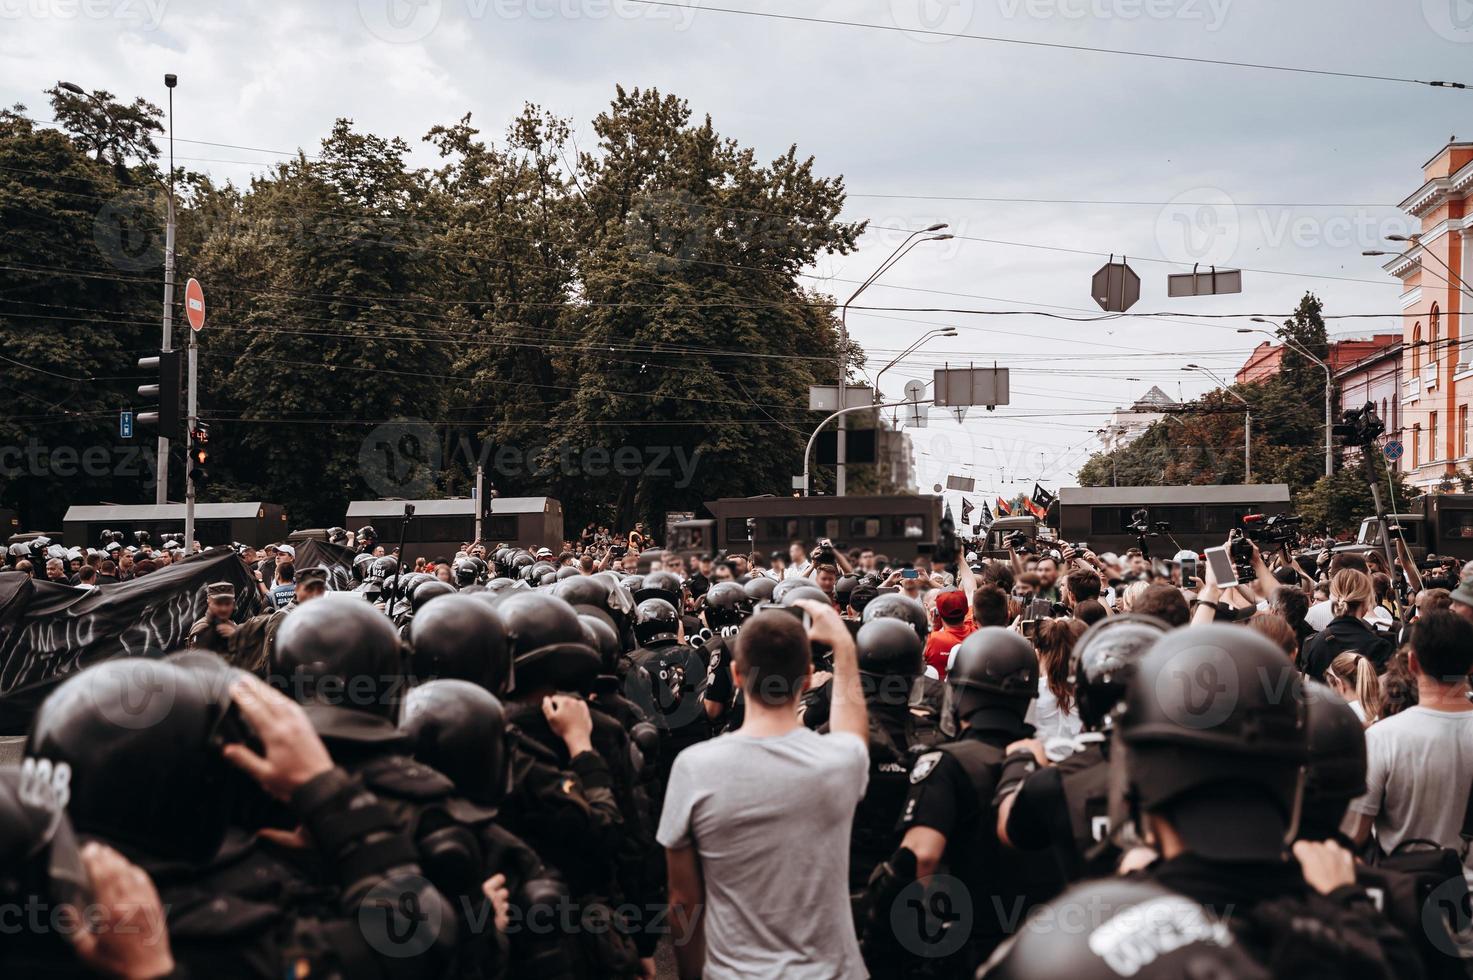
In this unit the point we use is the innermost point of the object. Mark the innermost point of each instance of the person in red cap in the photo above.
(951, 606)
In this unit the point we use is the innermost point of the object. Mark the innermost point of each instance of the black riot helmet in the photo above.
(39, 854)
(427, 590)
(803, 591)
(661, 585)
(889, 648)
(897, 605)
(993, 676)
(1214, 735)
(782, 588)
(539, 569)
(461, 637)
(601, 637)
(1105, 659)
(548, 646)
(1127, 928)
(362, 562)
(465, 571)
(459, 728)
(337, 535)
(726, 604)
(1336, 773)
(567, 572)
(759, 589)
(584, 590)
(367, 537)
(382, 568)
(843, 587)
(656, 623)
(339, 650)
(138, 739)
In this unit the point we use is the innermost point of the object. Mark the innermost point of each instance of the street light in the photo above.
(1452, 278)
(161, 484)
(928, 335)
(911, 240)
(1329, 387)
(1247, 420)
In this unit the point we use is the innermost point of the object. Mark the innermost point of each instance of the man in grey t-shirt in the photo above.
(1419, 763)
(756, 822)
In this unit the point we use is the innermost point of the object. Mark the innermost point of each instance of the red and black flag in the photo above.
(1003, 510)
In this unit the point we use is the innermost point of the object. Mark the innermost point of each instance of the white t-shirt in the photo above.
(1419, 772)
(770, 821)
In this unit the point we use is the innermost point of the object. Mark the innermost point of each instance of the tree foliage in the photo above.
(640, 295)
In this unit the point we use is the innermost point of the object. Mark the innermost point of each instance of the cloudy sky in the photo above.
(1043, 159)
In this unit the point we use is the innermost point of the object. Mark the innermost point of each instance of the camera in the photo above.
(1359, 427)
(1277, 529)
(1018, 541)
(1142, 526)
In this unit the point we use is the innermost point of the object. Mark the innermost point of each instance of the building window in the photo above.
(1384, 417)
(1417, 444)
(1431, 437)
(1434, 332)
(1417, 349)
(1462, 430)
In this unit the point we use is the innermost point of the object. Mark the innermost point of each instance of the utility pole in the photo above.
(191, 440)
(161, 488)
(480, 497)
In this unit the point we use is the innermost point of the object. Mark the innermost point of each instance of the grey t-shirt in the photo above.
(1419, 770)
(770, 819)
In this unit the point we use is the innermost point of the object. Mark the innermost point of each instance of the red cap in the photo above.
(952, 605)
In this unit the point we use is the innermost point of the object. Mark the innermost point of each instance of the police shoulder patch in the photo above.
(924, 765)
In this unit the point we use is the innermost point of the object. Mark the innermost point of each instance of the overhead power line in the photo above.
(1055, 45)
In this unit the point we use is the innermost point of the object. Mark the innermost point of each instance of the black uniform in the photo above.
(1065, 808)
(681, 677)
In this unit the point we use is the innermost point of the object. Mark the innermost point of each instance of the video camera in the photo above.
(1276, 529)
(1359, 427)
(1142, 526)
(1018, 541)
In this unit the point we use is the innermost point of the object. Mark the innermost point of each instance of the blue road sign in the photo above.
(125, 425)
(1394, 450)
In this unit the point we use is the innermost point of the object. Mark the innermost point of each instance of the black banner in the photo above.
(50, 631)
(337, 559)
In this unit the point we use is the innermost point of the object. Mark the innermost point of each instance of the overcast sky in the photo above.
(1290, 174)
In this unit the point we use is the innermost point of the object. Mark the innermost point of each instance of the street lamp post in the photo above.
(895, 256)
(1329, 389)
(841, 414)
(1247, 420)
(161, 483)
(937, 332)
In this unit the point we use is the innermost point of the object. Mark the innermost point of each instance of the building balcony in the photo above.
(1411, 388)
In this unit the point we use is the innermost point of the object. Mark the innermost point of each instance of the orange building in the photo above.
(1264, 362)
(1435, 271)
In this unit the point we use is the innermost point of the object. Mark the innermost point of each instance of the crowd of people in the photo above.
(609, 760)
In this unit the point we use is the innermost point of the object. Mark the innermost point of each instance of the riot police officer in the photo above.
(138, 741)
(1215, 739)
(1065, 807)
(949, 820)
(680, 675)
(340, 659)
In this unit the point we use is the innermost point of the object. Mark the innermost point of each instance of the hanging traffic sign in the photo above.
(1115, 286)
(194, 304)
(125, 424)
(1394, 450)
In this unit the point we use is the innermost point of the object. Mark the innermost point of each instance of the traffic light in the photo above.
(1359, 427)
(199, 454)
(165, 419)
